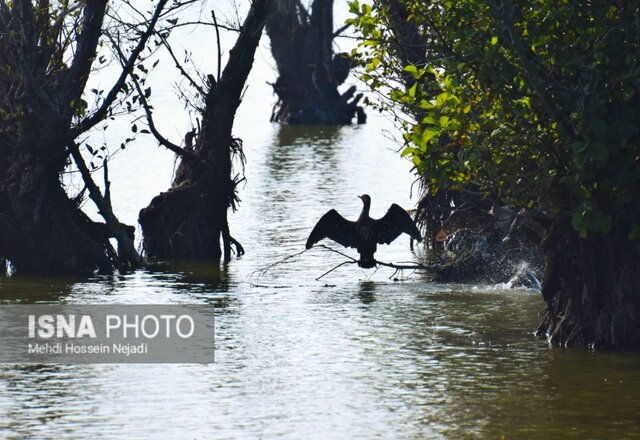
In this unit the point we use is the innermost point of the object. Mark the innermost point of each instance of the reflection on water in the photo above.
(367, 292)
(318, 146)
(28, 289)
(352, 355)
(317, 135)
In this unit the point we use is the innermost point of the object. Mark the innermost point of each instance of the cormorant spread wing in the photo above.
(395, 222)
(334, 226)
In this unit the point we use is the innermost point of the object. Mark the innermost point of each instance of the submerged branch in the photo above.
(415, 266)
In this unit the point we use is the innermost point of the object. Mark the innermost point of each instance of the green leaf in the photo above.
(429, 133)
(441, 99)
(576, 220)
(426, 105)
(429, 120)
(407, 151)
(412, 90)
(413, 70)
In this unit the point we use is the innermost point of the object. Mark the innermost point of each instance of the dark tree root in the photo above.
(227, 241)
(236, 243)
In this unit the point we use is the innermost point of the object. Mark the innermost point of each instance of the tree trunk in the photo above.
(41, 228)
(189, 221)
(591, 290)
(309, 72)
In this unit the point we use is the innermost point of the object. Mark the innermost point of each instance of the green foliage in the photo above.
(535, 103)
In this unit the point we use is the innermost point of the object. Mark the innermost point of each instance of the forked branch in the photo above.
(351, 260)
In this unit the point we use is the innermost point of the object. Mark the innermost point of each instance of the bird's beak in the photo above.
(360, 197)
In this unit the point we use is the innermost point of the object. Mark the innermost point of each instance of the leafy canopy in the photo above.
(535, 103)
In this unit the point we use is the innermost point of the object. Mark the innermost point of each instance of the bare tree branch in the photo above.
(147, 108)
(100, 114)
(183, 72)
(103, 203)
(215, 23)
(78, 73)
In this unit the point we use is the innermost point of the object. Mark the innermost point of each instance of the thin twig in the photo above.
(331, 270)
(178, 65)
(397, 267)
(188, 154)
(265, 269)
(337, 252)
(340, 30)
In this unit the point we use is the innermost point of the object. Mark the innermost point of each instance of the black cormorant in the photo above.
(365, 233)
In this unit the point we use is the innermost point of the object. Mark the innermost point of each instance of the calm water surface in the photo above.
(354, 355)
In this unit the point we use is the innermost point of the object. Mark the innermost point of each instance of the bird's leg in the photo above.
(394, 273)
(373, 273)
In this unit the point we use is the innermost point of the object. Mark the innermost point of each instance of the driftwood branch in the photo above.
(397, 267)
(324, 246)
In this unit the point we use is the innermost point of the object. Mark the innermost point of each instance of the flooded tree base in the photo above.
(50, 234)
(590, 288)
(189, 221)
(341, 111)
(309, 72)
(168, 236)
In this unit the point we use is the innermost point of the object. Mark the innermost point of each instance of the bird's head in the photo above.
(365, 199)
